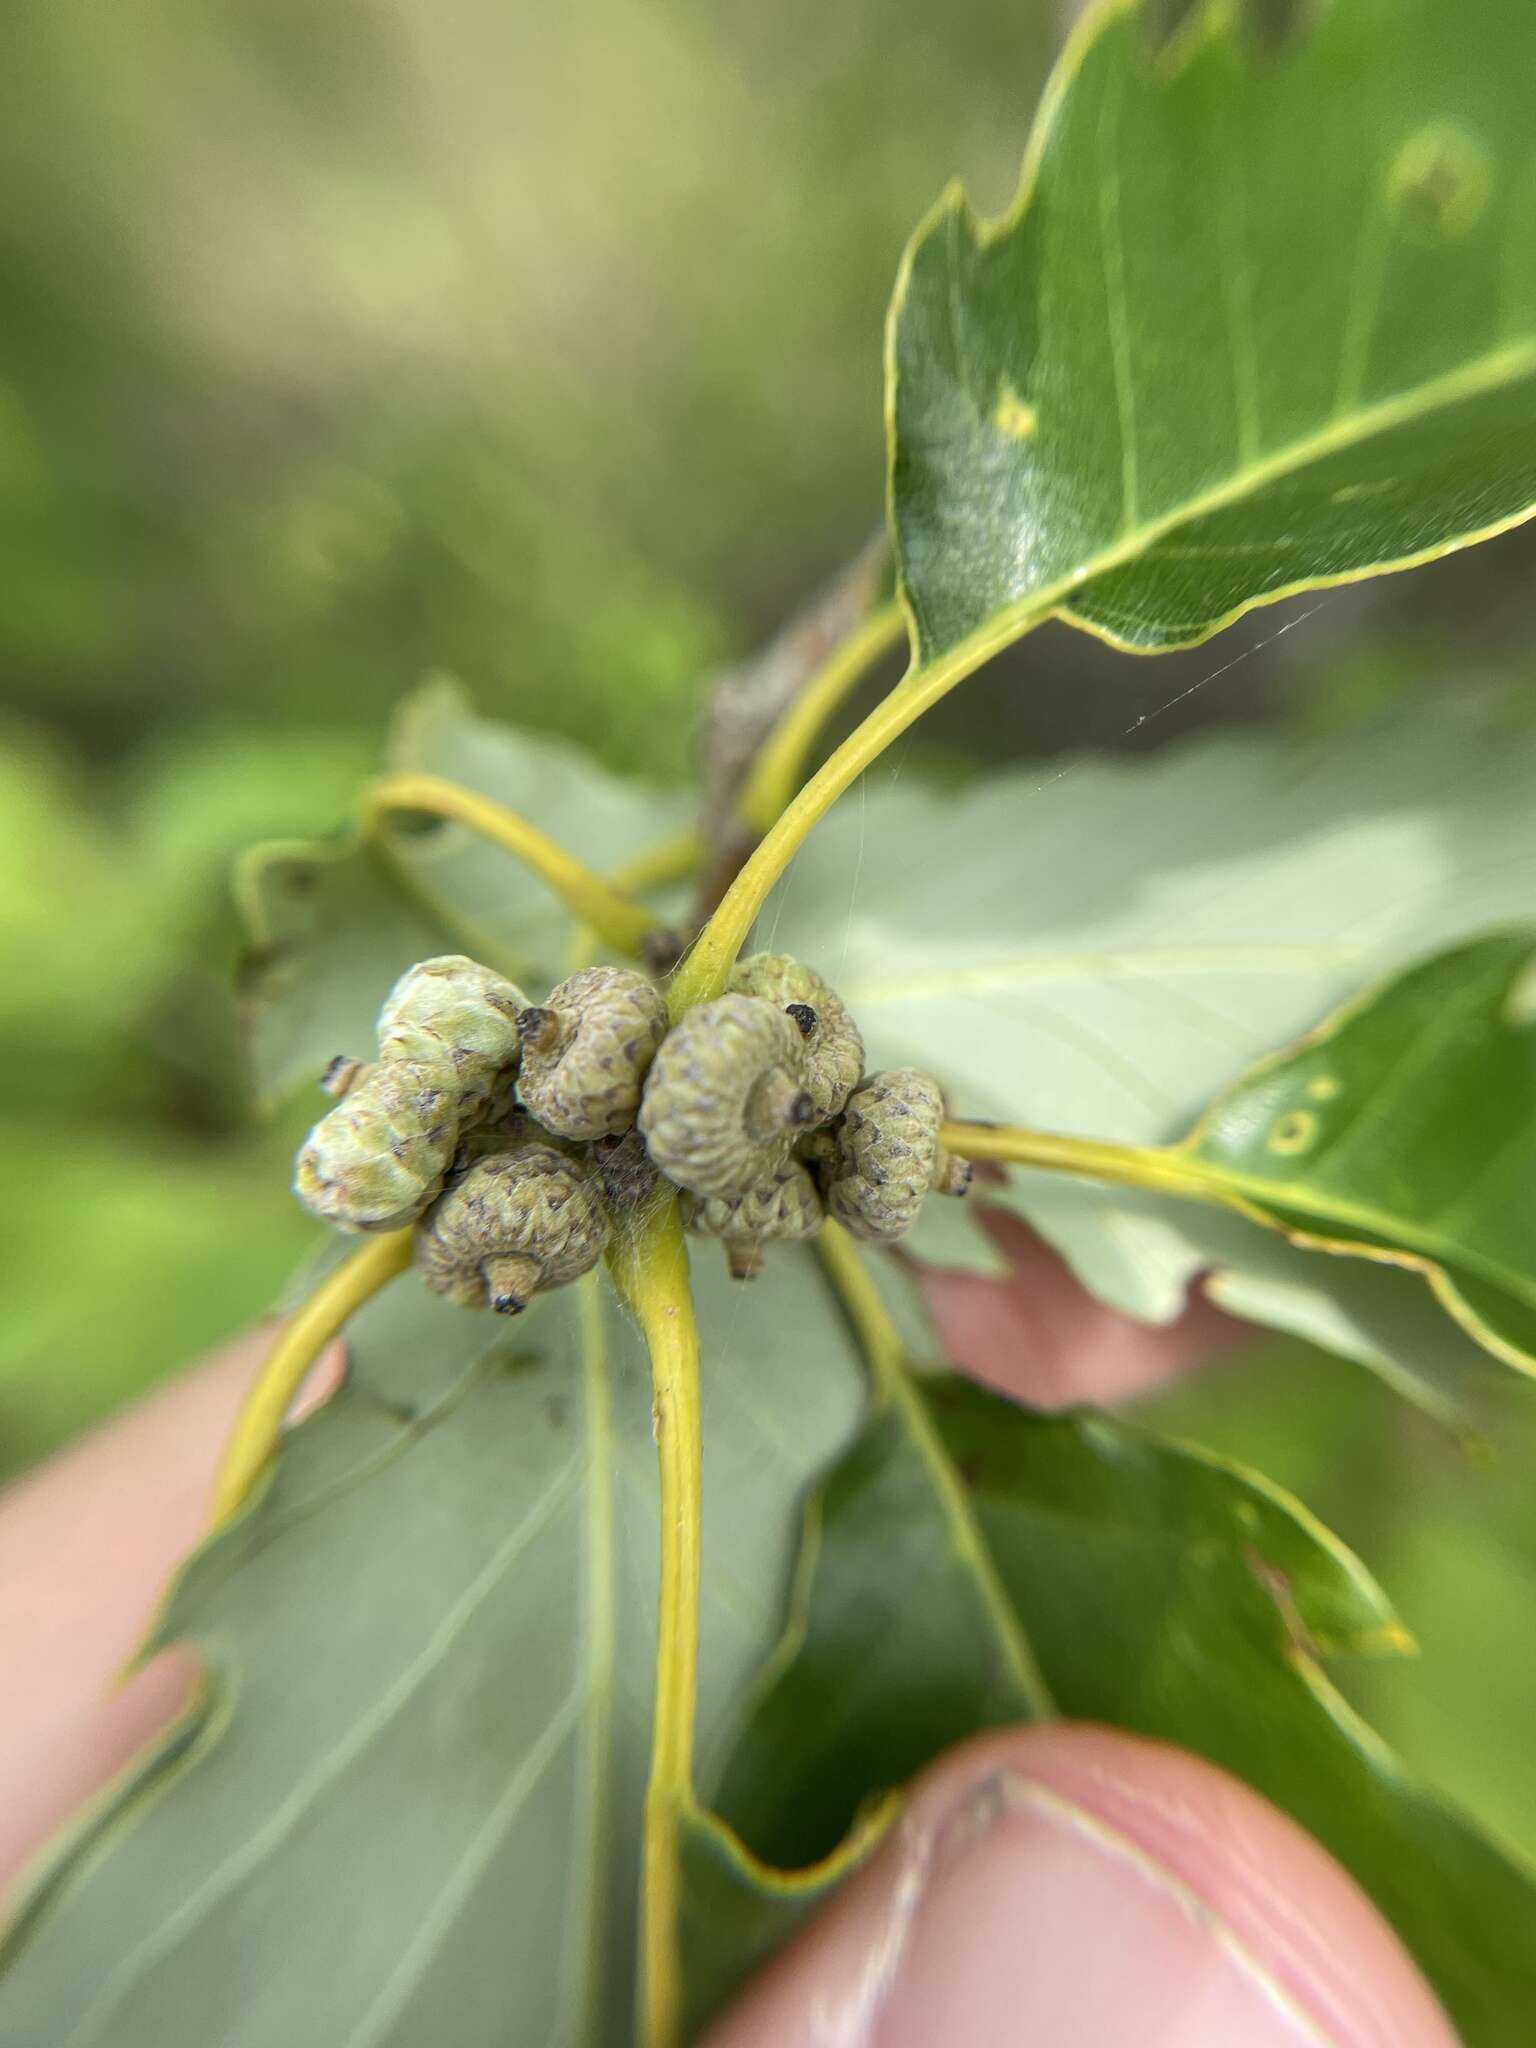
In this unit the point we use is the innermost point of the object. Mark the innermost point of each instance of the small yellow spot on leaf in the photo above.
(1440, 182)
(1323, 1087)
(1520, 1003)
(1346, 494)
(1013, 416)
(1293, 1132)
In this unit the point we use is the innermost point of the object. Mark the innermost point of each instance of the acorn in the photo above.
(882, 1158)
(453, 1012)
(780, 1208)
(586, 1052)
(834, 1050)
(511, 1226)
(379, 1157)
(727, 1096)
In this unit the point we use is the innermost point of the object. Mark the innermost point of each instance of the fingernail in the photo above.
(1041, 1921)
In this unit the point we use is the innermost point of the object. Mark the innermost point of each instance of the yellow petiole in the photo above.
(671, 859)
(617, 918)
(1159, 1168)
(650, 1269)
(704, 973)
(777, 771)
(338, 1297)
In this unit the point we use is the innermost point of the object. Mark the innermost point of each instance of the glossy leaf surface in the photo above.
(1262, 317)
(1406, 1129)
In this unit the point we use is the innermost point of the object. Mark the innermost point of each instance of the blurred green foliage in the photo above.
(347, 341)
(149, 1217)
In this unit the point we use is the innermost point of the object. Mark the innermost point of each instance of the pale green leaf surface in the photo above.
(1378, 1315)
(1100, 953)
(605, 819)
(410, 1806)
(332, 923)
(1261, 319)
(1163, 1592)
(330, 929)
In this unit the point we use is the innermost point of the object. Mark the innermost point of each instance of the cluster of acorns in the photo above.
(509, 1134)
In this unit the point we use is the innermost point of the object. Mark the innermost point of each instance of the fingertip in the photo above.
(1037, 1335)
(87, 1543)
(1075, 1885)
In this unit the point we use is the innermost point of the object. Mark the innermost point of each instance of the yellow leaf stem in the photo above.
(650, 1270)
(617, 918)
(779, 768)
(338, 1297)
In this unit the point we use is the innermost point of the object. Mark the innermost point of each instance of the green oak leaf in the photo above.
(1404, 1129)
(329, 927)
(1259, 319)
(1451, 1534)
(937, 1607)
(1164, 1592)
(332, 923)
(735, 1911)
(1377, 1315)
(407, 1804)
(1102, 951)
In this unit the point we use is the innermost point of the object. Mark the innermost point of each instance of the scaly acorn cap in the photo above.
(587, 1050)
(726, 1096)
(511, 1226)
(456, 1013)
(833, 1047)
(378, 1158)
(887, 1156)
(782, 1207)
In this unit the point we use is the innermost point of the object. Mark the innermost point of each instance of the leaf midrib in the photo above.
(1424, 1236)
(897, 1394)
(1110, 964)
(586, 1976)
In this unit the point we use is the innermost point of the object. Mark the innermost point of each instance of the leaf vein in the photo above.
(1237, 297)
(1030, 969)
(437, 1924)
(236, 1868)
(1112, 257)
